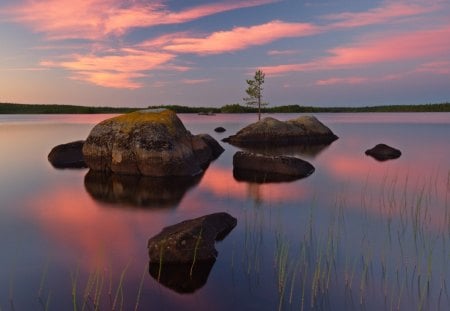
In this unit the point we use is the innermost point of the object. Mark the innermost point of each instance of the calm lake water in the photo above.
(357, 234)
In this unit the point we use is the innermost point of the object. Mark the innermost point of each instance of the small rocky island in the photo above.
(270, 131)
(383, 152)
(151, 142)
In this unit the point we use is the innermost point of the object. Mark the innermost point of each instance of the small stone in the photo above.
(219, 129)
(382, 152)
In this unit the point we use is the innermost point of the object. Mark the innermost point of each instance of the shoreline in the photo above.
(11, 108)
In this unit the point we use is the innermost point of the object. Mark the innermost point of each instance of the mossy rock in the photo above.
(147, 142)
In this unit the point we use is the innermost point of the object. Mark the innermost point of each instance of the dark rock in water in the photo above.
(137, 190)
(272, 132)
(214, 146)
(67, 155)
(382, 152)
(262, 168)
(182, 278)
(219, 129)
(190, 241)
(151, 142)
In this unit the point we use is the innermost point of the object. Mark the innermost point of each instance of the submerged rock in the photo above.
(270, 131)
(68, 155)
(190, 241)
(382, 152)
(137, 190)
(182, 278)
(148, 142)
(263, 168)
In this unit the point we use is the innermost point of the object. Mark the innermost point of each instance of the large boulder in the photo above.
(191, 240)
(151, 142)
(260, 168)
(382, 152)
(67, 155)
(270, 131)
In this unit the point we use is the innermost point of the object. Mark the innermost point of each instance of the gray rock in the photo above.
(270, 131)
(148, 142)
(382, 152)
(264, 168)
(191, 240)
(67, 155)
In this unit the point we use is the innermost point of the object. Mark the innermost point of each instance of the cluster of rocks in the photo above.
(148, 158)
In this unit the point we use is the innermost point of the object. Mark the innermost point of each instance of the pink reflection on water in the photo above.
(101, 236)
(221, 183)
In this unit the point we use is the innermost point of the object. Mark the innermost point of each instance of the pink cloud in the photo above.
(95, 19)
(389, 11)
(439, 67)
(195, 81)
(282, 52)
(240, 38)
(414, 45)
(116, 71)
(350, 80)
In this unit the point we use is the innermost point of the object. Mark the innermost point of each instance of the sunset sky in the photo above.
(199, 53)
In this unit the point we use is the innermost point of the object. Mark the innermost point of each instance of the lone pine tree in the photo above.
(254, 91)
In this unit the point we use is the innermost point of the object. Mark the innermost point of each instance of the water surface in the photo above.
(356, 234)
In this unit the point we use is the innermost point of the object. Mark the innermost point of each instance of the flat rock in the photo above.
(382, 152)
(260, 168)
(191, 240)
(270, 131)
(147, 142)
(68, 155)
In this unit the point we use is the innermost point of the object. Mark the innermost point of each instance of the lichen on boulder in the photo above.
(152, 142)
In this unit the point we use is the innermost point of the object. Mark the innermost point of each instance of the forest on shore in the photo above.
(11, 108)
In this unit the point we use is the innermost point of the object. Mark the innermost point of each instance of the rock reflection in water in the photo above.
(262, 177)
(307, 151)
(137, 190)
(182, 278)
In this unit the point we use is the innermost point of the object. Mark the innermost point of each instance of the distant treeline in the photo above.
(7, 108)
(237, 108)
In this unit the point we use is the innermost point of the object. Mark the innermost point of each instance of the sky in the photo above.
(139, 53)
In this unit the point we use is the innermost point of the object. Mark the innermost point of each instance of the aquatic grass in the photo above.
(197, 244)
(119, 289)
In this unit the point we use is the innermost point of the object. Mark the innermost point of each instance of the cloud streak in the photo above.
(414, 45)
(116, 71)
(96, 19)
(240, 38)
(388, 12)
